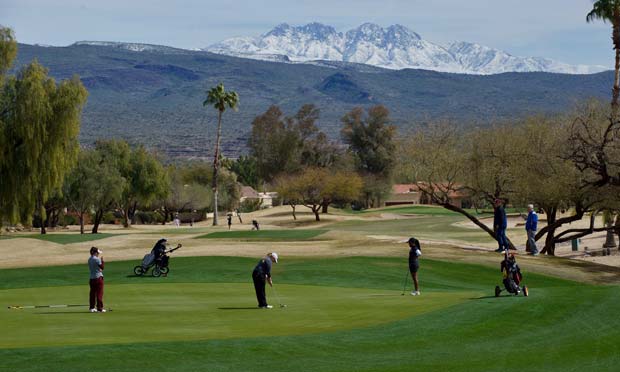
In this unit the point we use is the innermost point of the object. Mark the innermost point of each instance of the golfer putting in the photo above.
(262, 274)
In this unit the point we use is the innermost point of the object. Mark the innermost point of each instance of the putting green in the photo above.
(201, 311)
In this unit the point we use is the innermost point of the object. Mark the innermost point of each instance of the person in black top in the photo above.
(159, 249)
(414, 253)
(229, 218)
(262, 274)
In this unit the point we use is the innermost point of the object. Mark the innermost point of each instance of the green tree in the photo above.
(371, 139)
(220, 99)
(246, 169)
(609, 10)
(39, 126)
(285, 144)
(146, 182)
(81, 185)
(315, 187)
(274, 143)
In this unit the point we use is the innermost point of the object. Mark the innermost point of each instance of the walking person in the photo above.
(500, 222)
(229, 218)
(262, 275)
(95, 264)
(531, 225)
(414, 254)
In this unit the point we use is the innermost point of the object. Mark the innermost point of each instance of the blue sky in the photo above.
(547, 28)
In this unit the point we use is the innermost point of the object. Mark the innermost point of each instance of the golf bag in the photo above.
(511, 277)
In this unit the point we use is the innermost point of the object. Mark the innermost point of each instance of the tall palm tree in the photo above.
(220, 99)
(609, 10)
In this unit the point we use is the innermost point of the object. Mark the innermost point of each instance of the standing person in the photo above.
(500, 222)
(177, 220)
(531, 225)
(95, 264)
(229, 217)
(262, 274)
(414, 253)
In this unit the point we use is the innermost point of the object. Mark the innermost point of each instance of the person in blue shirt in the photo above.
(500, 222)
(531, 225)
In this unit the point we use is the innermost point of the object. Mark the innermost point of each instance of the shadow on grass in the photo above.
(239, 308)
(492, 296)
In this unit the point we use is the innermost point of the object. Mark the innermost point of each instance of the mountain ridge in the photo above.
(154, 97)
(395, 47)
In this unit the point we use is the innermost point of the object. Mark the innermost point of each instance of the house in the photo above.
(266, 198)
(412, 193)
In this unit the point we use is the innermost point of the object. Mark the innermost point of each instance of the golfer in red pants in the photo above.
(95, 264)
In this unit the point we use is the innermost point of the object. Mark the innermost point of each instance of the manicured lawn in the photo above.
(271, 235)
(343, 314)
(64, 238)
(428, 210)
(436, 227)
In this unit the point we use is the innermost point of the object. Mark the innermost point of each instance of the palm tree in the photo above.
(220, 99)
(609, 10)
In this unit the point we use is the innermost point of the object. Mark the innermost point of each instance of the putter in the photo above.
(405, 283)
(273, 289)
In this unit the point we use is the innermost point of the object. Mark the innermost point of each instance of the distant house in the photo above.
(411, 193)
(266, 198)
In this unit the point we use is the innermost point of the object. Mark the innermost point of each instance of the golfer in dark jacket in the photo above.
(262, 274)
(159, 249)
(500, 222)
(414, 253)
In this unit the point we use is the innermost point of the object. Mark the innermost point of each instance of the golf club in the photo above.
(405, 283)
(20, 307)
(273, 289)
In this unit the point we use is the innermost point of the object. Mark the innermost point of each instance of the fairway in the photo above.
(265, 235)
(342, 314)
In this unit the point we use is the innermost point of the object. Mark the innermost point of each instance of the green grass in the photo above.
(61, 238)
(426, 227)
(343, 314)
(269, 235)
(428, 211)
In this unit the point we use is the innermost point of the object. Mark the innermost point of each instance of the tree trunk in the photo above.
(316, 212)
(550, 239)
(216, 167)
(616, 90)
(324, 207)
(97, 221)
(43, 215)
(475, 221)
(610, 240)
(132, 212)
(294, 216)
(126, 217)
(81, 222)
(617, 228)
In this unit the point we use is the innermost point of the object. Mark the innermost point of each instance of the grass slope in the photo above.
(61, 238)
(336, 325)
(265, 235)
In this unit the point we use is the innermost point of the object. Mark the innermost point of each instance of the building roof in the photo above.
(249, 192)
(410, 188)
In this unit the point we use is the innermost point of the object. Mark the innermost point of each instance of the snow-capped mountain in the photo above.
(394, 47)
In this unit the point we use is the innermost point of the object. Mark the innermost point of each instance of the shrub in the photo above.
(250, 205)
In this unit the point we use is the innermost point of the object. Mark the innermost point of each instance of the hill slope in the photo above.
(154, 95)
